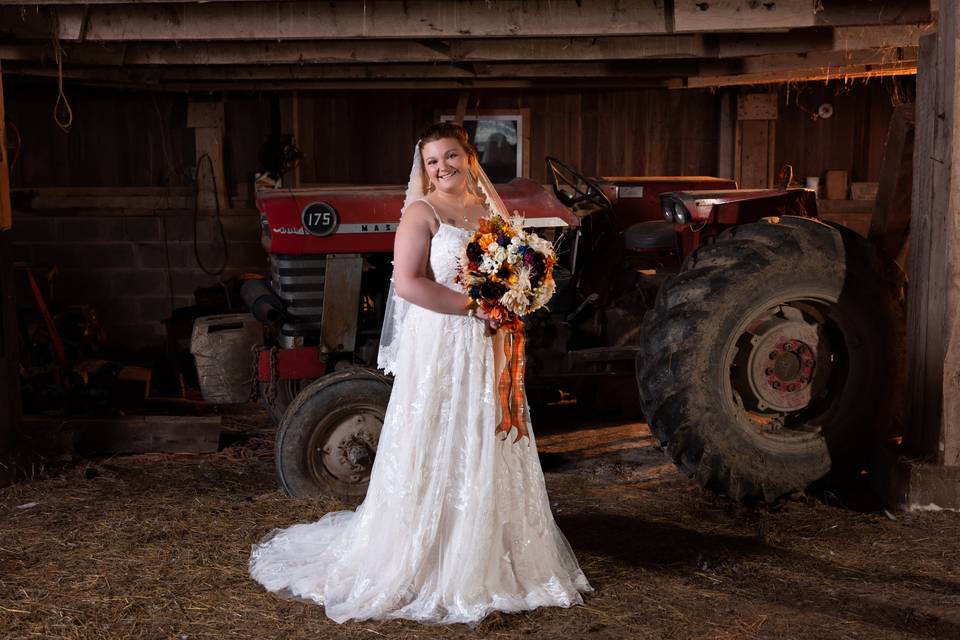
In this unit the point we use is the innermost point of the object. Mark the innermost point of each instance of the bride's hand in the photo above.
(492, 323)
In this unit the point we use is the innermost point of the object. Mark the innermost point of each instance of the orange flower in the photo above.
(485, 240)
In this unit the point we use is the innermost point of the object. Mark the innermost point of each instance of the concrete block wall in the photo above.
(135, 266)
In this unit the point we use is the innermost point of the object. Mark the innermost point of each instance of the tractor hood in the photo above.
(364, 219)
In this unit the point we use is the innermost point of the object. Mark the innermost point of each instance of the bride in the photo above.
(456, 522)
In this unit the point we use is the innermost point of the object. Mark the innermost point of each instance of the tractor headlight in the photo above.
(680, 213)
(666, 208)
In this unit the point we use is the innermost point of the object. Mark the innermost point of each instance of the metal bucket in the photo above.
(221, 347)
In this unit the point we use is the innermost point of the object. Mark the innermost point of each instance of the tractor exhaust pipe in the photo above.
(263, 303)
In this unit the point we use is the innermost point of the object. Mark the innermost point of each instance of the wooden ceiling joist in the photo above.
(698, 16)
(156, 75)
(294, 20)
(366, 43)
(468, 50)
(297, 20)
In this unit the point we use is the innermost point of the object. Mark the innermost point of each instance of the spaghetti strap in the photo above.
(432, 208)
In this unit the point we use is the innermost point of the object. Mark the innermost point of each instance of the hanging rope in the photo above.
(196, 217)
(67, 122)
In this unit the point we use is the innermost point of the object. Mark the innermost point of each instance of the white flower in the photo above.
(523, 280)
(514, 301)
(489, 265)
(539, 245)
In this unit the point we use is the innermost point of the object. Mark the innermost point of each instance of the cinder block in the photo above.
(154, 309)
(180, 228)
(142, 228)
(139, 283)
(23, 252)
(186, 281)
(154, 255)
(64, 255)
(242, 228)
(81, 286)
(92, 229)
(248, 256)
(33, 228)
(110, 255)
(211, 255)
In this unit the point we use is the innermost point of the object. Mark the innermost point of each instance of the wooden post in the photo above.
(891, 214)
(6, 211)
(10, 417)
(933, 323)
(756, 139)
(206, 119)
(727, 137)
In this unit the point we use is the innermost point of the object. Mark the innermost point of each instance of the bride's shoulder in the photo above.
(419, 213)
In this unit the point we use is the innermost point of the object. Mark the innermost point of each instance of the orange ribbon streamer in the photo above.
(513, 400)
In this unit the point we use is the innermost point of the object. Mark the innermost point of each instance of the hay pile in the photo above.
(155, 546)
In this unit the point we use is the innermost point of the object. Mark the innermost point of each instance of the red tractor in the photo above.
(763, 341)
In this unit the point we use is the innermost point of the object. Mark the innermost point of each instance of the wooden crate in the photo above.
(864, 190)
(853, 214)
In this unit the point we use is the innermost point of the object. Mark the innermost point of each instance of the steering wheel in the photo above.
(563, 176)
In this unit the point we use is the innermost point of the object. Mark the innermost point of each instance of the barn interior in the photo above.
(138, 463)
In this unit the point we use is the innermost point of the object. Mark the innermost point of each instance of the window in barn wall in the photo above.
(502, 141)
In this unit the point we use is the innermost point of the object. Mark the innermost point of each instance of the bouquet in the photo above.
(509, 273)
(506, 270)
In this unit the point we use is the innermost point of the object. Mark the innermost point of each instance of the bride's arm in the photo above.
(411, 253)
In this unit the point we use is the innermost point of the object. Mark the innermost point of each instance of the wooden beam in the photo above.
(209, 86)
(891, 215)
(158, 75)
(741, 15)
(131, 434)
(880, 37)
(818, 65)
(369, 19)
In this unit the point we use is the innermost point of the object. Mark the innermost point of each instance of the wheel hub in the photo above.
(349, 450)
(787, 357)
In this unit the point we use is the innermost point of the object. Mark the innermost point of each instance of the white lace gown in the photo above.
(456, 522)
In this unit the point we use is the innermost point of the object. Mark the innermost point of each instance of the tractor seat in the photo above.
(655, 235)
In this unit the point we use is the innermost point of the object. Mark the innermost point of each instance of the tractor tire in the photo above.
(287, 390)
(773, 358)
(327, 439)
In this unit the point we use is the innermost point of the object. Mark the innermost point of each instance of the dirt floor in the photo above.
(156, 546)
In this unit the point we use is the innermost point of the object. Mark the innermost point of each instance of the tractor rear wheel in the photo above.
(773, 357)
(327, 439)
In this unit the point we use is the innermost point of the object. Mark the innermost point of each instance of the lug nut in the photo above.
(791, 387)
(768, 371)
(776, 384)
(773, 355)
(808, 363)
(788, 346)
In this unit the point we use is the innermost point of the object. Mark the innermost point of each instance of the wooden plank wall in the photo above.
(118, 138)
(129, 138)
(852, 139)
(347, 139)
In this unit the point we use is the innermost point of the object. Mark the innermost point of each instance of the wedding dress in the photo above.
(456, 522)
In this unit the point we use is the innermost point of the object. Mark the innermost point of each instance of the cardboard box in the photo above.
(864, 190)
(836, 185)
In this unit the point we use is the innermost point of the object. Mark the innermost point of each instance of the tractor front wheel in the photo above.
(327, 439)
(772, 358)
